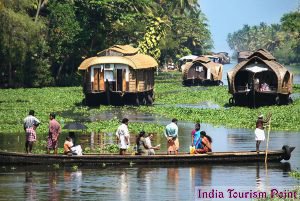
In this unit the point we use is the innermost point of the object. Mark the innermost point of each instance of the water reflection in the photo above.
(53, 189)
(124, 186)
(132, 183)
(259, 183)
(201, 175)
(30, 187)
(72, 180)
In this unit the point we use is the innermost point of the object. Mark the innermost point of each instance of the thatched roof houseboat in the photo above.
(118, 75)
(202, 71)
(221, 57)
(260, 80)
(224, 57)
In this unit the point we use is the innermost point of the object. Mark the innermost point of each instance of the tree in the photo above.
(291, 24)
(20, 42)
(63, 35)
(155, 31)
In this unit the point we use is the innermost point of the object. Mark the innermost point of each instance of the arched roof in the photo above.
(261, 56)
(129, 57)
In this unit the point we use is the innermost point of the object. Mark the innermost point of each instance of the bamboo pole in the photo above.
(269, 128)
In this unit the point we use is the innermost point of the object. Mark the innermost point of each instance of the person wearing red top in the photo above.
(206, 143)
(54, 132)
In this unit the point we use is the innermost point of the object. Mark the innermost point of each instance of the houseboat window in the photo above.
(109, 66)
(199, 68)
(109, 75)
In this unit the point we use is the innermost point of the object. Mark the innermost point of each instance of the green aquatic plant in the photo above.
(170, 100)
(111, 148)
(75, 167)
(295, 174)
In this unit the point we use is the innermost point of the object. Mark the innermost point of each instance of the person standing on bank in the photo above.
(54, 132)
(259, 131)
(30, 125)
(123, 136)
(171, 133)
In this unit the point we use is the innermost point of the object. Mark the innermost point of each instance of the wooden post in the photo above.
(269, 128)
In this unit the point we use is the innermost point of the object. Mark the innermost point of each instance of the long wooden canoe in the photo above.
(9, 158)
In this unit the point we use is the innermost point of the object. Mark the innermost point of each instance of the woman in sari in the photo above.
(196, 137)
(206, 143)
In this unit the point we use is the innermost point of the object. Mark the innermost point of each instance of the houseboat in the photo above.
(260, 80)
(224, 57)
(202, 71)
(118, 75)
(183, 60)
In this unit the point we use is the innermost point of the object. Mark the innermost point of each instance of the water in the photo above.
(146, 183)
(151, 182)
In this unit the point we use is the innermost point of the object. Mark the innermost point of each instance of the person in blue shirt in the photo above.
(171, 133)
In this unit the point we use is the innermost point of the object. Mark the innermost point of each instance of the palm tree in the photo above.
(184, 6)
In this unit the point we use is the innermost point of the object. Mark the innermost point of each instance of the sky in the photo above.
(228, 16)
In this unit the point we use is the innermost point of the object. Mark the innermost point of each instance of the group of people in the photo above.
(30, 125)
(200, 140)
(143, 141)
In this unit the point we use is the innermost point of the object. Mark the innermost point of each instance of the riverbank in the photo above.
(204, 104)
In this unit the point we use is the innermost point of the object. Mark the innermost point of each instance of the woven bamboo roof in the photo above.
(260, 56)
(123, 49)
(244, 54)
(203, 59)
(262, 53)
(130, 57)
(138, 61)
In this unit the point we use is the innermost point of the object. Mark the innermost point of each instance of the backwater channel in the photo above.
(145, 182)
(151, 182)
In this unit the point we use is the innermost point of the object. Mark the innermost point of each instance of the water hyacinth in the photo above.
(171, 100)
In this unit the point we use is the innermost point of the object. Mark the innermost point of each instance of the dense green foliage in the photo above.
(43, 42)
(171, 99)
(280, 39)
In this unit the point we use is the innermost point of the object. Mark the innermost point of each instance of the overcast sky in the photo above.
(227, 16)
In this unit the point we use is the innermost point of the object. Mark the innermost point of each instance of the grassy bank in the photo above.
(169, 92)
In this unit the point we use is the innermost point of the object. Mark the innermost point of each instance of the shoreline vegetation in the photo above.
(170, 95)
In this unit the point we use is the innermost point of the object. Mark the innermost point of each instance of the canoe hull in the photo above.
(8, 158)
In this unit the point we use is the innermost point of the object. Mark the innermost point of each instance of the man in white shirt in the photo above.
(30, 125)
(123, 136)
